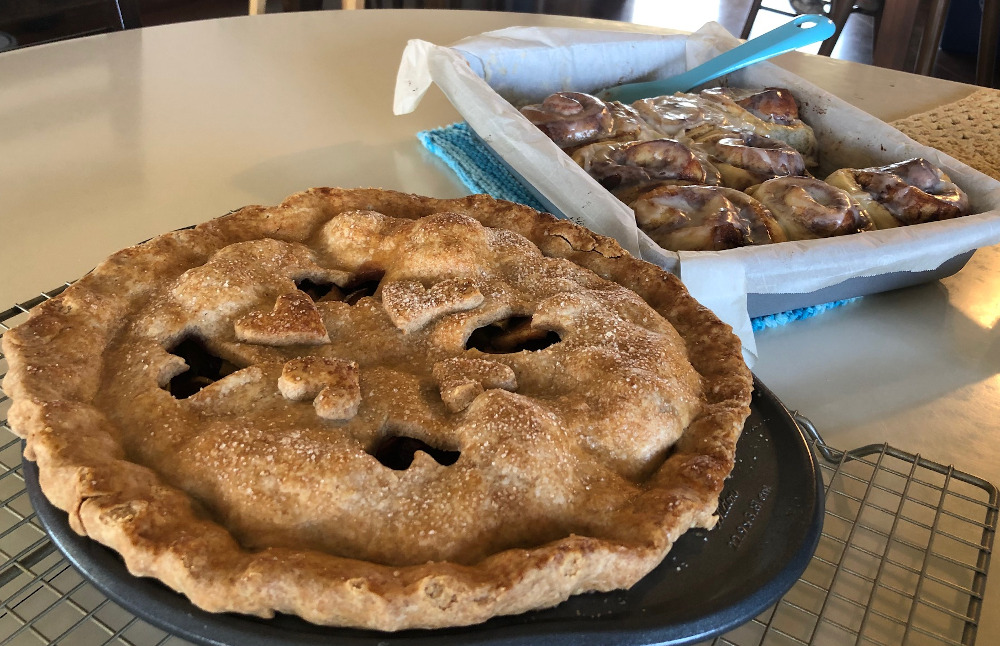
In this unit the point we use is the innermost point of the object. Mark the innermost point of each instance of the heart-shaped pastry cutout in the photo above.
(293, 321)
(332, 384)
(462, 379)
(411, 306)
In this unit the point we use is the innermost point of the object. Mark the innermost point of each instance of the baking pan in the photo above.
(765, 304)
(487, 76)
(771, 515)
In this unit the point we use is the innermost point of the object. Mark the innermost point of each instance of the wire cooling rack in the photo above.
(902, 558)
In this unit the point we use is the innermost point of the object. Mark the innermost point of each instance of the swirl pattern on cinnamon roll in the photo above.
(771, 112)
(907, 192)
(748, 159)
(629, 168)
(629, 126)
(704, 218)
(570, 118)
(809, 208)
(573, 119)
(677, 114)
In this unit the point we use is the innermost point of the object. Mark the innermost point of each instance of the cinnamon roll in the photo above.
(678, 114)
(907, 192)
(772, 113)
(629, 168)
(704, 218)
(808, 208)
(747, 159)
(573, 119)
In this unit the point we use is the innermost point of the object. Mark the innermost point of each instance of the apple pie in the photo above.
(380, 410)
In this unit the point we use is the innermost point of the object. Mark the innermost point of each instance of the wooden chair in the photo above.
(894, 28)
(989, 34)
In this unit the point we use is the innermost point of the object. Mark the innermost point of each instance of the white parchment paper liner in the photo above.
(487, 77)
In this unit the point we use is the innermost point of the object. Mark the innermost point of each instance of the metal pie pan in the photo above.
(771, 515)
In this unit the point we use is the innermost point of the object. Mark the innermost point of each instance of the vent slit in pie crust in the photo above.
(398, 451)
(512, 411)
(197, 368)
(511, 334)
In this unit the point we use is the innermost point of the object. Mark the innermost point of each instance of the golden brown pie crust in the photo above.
(579, 464)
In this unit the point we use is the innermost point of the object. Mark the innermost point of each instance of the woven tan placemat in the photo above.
(968, 130)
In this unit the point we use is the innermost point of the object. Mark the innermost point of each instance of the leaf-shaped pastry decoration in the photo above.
(293, 321)
(332, 384)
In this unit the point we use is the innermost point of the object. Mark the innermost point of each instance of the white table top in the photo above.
(109, 140)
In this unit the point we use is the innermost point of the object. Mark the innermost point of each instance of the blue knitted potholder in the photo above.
(481, 172)
(475, 164)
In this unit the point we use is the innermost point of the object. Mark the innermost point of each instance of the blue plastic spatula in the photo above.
(803, 30)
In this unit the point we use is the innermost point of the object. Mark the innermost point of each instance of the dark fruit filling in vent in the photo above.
(511, 335)
(397, 451)
(204, 368)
